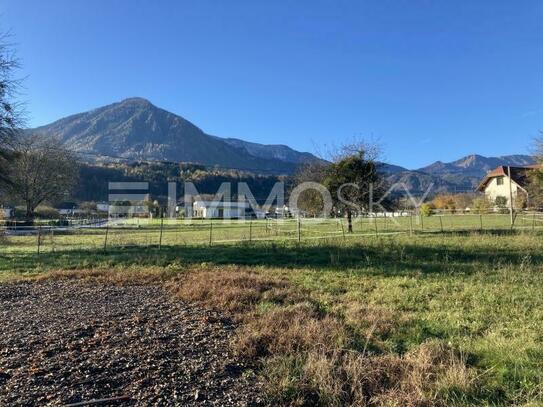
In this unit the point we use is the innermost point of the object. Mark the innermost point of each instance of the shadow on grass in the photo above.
(384, 257)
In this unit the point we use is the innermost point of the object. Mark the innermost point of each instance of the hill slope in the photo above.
(135, 129)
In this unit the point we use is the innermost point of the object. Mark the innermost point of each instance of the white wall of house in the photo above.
(225, 210)
(499, 186)
(102, 207)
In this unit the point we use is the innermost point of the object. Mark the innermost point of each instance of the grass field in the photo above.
(169, 232)
(450, 318)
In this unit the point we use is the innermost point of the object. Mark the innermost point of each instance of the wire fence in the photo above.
(104, 234)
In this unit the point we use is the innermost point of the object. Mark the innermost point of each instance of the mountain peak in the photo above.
(136, 100)
(136, 129)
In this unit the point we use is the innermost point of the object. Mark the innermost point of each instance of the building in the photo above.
(102, 207)
(498, 184)
(224, 210)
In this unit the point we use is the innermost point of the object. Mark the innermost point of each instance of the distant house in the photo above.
(102, 207)
(67, 208)
(224, 210)
(498, 184)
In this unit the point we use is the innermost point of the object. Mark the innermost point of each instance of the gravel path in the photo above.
(69, 341)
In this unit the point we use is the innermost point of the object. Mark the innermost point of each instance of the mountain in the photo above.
(476, 165)
(417, 183)
(135, 129)
(462, 175)
(465, 174)
(390, 169)
(276, 151)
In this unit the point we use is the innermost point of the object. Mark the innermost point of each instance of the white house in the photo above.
(497, 182)
(102, 207)
(224, 210)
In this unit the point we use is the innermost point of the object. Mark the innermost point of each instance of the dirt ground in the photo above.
(70, 341)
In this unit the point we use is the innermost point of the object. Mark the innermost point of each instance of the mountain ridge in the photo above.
(135, 129)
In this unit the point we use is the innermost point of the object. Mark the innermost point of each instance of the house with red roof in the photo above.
(505, 181)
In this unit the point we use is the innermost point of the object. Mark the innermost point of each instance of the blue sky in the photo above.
(428, 80)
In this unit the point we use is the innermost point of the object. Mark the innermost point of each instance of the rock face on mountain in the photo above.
(136, 129)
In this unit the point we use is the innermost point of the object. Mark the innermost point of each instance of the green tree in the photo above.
(353, 181)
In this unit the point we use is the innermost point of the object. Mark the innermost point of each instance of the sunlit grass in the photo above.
(481, 293)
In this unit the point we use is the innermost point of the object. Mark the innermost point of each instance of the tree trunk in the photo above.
(349, 221)
(29, 213)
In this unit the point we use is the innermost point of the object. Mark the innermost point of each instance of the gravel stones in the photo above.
(69, 341)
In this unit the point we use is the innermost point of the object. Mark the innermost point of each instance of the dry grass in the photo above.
(312, 357)
(308, 355)
(234, 290)
(116, 276)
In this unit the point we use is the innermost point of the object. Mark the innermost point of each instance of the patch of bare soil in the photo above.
(70, 341)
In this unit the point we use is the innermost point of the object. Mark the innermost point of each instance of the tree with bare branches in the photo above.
(42, 171)
(11, 114)
(310, 200)
(535, 187)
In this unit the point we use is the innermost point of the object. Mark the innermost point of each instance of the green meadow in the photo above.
(479, 292)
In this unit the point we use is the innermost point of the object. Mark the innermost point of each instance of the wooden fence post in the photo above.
(375, 224)
(411, 224)
(107, 230)
(250, 231)
(342, 228)
(161, 229)
(39, 239)
(299, 230)
(210, 231)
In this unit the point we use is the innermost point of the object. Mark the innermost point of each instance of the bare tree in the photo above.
(535, 187)
(11, 112)
(311, 201)
(42, 171)
(539, 147)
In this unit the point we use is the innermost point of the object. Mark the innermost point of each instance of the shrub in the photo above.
(427, 209)
(88, 207)
(46, 212)
(481, 205)
(520, 202)
(446, 202)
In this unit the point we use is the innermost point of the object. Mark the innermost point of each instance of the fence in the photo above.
(107, 234)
